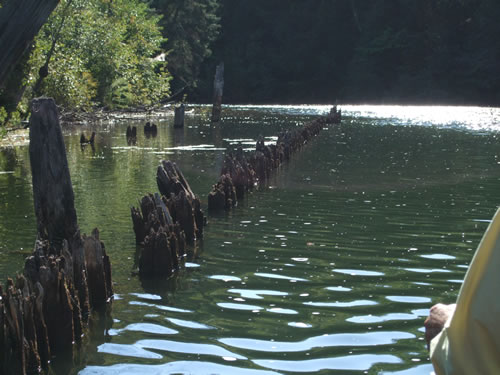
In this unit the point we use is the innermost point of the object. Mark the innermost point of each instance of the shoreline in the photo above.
(19, 136)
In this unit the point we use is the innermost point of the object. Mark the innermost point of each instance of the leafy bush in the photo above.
(103, 55)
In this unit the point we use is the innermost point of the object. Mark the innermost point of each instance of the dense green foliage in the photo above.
(96, 52)
(190, 26)
(352, 50)
(103, 53)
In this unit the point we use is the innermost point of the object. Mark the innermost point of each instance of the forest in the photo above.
(135, 53)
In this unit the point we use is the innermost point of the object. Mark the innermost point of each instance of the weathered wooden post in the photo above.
(179, 116)
(47, 308)
(218, 89)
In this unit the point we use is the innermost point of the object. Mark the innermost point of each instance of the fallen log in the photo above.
(46, 311)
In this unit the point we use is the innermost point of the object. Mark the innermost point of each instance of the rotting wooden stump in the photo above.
(218, 90)
(162, 240)
(85, 141)
(150, 130)
(179, 116)
(47, 310)
(335, 116)
(131, 135)
(184, 206)
(223, 194)
(164, 224)
(240, 173)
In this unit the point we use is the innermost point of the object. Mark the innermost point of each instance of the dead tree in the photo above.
(218, 89)
(179, 116)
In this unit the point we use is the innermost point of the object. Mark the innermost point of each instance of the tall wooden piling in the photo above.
(47, 309)
(218, 89)
(179, 116)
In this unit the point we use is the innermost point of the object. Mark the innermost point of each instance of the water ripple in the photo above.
(146, 328)
(361, 302)
(160, 307)
(224, 278)
(179, 367)
(187, 347)
(256, 294)
(352, 362)
(238, 306)
(279, 310)
(277, 276)
(188, 324)
(338, 288)
(358, 272)
(153, 297)
(323, 341)
(127, 351)
(383, 318)
(409, 299)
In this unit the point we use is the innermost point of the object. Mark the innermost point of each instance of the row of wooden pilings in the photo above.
(240, 172)
(47, 309)
(165, 222)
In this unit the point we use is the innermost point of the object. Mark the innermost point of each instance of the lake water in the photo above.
(331, 269)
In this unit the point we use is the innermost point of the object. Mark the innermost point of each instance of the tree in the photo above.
(103, 53)
(191, 27)
(20, 21)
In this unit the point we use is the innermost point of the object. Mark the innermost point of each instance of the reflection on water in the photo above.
(332, 268)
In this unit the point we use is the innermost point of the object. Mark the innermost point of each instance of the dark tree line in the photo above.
(140, 52)
(423, 51)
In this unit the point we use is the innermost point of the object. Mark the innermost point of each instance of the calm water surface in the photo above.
(329, 270)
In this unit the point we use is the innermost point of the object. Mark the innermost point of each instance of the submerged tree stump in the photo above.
(218, 90)
(131, 135)
(335, 116)
(162, 240)
(186, 207)
(223, 194)
(163, 224)
(150, 130)
(179, 116)
(48, 308)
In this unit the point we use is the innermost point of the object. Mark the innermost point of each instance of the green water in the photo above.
(329, 270)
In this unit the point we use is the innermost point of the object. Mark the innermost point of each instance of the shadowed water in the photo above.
(331, 269)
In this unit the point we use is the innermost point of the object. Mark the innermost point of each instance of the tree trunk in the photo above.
(20, 21)
(179, 116)
(218, 89)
